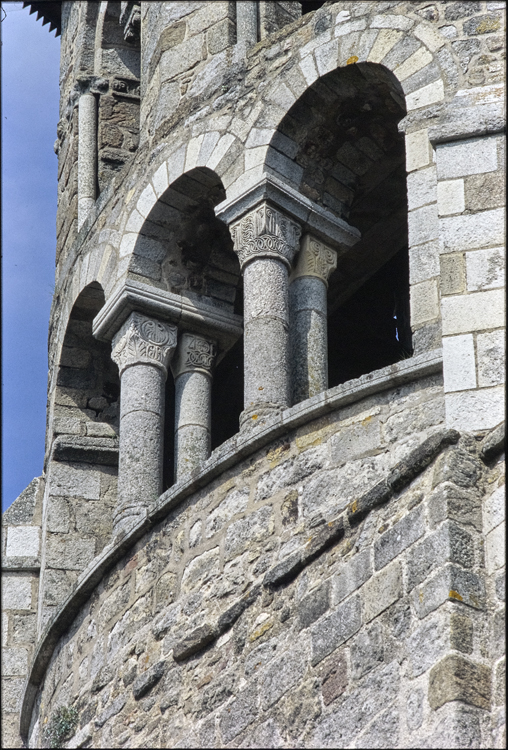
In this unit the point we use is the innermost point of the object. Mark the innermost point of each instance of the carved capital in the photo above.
(143, 340)
(194, 354)
(265, 233)
(315, 259)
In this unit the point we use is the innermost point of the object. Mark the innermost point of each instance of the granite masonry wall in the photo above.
(333, 575)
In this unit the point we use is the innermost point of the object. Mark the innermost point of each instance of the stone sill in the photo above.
(227, 455)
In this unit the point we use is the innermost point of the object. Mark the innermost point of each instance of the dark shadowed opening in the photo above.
(339, 145)
(88, 385)
(309, 5)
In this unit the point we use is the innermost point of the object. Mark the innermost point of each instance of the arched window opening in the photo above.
(184, 248)
(339, 145)
(88, 386)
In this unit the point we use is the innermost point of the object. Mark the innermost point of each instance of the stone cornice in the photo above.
(227, 455)
(310, 215)
(193, 315)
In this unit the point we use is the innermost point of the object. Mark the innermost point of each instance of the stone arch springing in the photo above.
(340, 147)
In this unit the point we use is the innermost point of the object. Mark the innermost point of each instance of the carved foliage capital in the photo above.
(194, 354)
(315, 259)
(143, 340)
(265, 233)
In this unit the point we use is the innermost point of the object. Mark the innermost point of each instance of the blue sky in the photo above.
(30, 71)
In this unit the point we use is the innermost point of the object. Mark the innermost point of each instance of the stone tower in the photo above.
(272, 507)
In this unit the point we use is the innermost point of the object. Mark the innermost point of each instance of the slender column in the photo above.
(265, 241)
(87, 155)
(309, 318)
(192, 369)
(142, 349)
(247, 22)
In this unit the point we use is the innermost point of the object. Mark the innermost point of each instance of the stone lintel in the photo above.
(103, 451)
(312, 217)
(194, 315)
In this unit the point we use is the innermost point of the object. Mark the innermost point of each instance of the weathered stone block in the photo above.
(475, 410)
(485, 269)
(472, 231)
(453, 273)
(352, 575)
(402, 535)
(114, 708)
(195, 641)
(16, 591)
(494, 509)
(69, 553)
(315, 604)
(473, 312)
(239, 714)
(355, 441)
(424, 302)
(451, 583)
(253, 528)
(281, 675)
(367, 651)
(456, 678)
(147, 680)
(467, 157)
(335, 629)
(75, 480)
(23, 541)
(381, 591)
(418, 150)
(490, 349)
(461, 633)
(421, 188)
(354, 712)
(14, 662)
(459, 365)
(495, 552)
(334, 674)
(450, 197)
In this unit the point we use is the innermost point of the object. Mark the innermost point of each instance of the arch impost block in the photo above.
(192, 315)
(312, 217)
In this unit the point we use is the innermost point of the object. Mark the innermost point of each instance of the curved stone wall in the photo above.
(322, 591)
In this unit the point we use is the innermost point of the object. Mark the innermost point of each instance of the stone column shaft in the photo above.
(247, 22)
(309, 319)
(265, 241)
(87, 156)
(192, 369)
(142, 349)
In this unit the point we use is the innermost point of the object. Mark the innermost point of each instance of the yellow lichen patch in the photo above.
(354, 506)
(261, 631)
(382, 528)
(420, 596)
(254, 416)
(455, 595)
(129, 194)
(489, 24)
(274, 455)
(353, 59)
(474, 601)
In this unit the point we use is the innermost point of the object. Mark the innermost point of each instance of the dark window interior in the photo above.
(372, 328)
(309, 5)
(227, 395)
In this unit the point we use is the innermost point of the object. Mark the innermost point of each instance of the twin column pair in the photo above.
(285, 360)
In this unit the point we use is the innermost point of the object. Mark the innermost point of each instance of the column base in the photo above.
(126, 519)
(258, 415)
